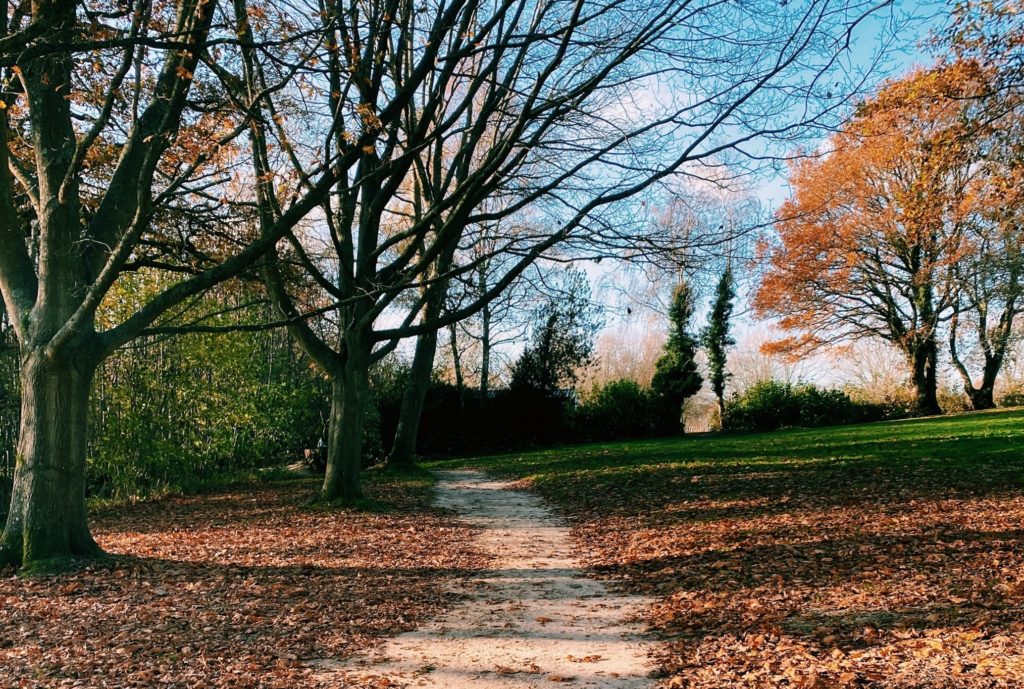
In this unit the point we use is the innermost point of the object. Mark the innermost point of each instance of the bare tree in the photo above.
(537, 105)
(873, 371)
(501, 320)
(989, 294)
(504, 319)
(749, 364)
(625, 352)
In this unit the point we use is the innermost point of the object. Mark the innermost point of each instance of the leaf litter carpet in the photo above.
(240, 589)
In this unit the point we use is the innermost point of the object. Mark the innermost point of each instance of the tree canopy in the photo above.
(875, 237)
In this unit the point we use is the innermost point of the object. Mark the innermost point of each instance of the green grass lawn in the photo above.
(874, 555)
(957, 450)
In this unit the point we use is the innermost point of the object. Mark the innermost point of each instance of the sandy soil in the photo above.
(534, 620)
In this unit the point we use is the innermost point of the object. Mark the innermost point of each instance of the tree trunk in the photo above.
(457, 365)
(924, 360)
(350, 391)
(47, 524)
(403, 451)
(981, 398)
(485, 355)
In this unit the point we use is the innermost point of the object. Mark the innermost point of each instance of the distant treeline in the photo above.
(463, 421)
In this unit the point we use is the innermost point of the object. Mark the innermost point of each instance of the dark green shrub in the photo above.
(620, 409)
(900, 403)
(763, 406)
(770, 405)
(826, 407)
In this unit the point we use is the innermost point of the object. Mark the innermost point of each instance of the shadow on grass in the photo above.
(847, 552)
(962, 438)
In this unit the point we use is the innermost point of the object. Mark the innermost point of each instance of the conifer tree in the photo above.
(716, 339)
(675, 374)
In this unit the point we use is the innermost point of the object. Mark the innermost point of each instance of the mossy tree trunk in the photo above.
(47, 519)
(350, 392)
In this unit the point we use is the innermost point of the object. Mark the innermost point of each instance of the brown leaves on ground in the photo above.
(231, 590)
(811, 578)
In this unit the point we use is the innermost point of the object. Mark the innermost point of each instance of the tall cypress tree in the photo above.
(715, 337)
(675, 373)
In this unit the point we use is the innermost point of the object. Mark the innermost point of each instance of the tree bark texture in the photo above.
(47, 518)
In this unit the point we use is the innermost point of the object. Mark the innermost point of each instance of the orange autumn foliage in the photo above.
(866, 244)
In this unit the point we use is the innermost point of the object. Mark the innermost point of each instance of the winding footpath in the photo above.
(535, 620)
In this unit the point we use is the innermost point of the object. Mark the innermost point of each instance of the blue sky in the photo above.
(903, 31)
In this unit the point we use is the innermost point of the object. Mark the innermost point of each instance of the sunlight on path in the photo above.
(533, 621)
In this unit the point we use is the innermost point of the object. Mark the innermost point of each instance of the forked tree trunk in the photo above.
(982, 398)
(993, 348)
(47, 519)
(350, 391)
(403, 451)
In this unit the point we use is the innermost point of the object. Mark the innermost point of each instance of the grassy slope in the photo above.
(886, 555)
(950, 446)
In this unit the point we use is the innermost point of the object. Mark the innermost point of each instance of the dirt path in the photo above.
(535, 620)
